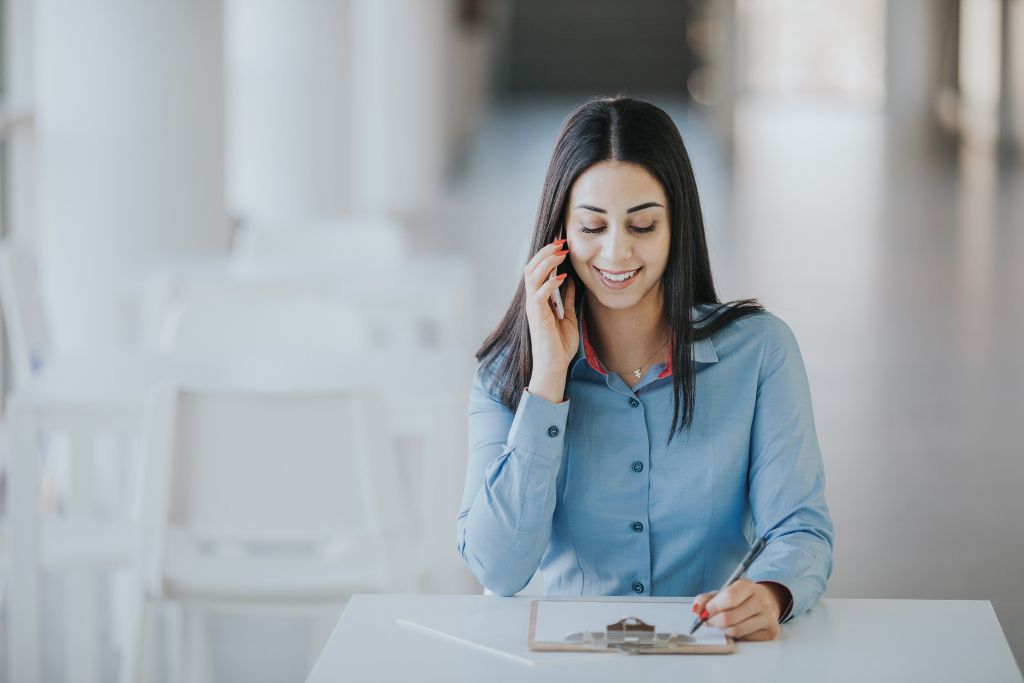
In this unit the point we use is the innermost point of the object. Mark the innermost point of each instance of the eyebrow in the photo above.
(635, 208)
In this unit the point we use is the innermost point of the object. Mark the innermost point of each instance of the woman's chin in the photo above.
(620, 300)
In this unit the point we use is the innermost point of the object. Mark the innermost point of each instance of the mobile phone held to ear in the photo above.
(556, 296)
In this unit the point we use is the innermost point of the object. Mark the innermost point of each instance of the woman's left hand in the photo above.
(745, 610)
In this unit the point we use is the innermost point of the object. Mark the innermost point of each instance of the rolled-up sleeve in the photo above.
(787, 477)
(504, 522)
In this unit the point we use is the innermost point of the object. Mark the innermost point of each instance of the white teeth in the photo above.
(622, 277)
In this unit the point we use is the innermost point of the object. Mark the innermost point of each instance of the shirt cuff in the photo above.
(800, 599)
(538, 427)
(787, 608)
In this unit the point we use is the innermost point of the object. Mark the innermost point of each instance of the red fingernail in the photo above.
(704, 614)
(694, 608)
(562, 276)
(561, 253)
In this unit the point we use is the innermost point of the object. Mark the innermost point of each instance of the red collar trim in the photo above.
(667, 372)
(588, 351)
(595, 362)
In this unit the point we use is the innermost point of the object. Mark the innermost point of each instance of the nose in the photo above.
(617, 245)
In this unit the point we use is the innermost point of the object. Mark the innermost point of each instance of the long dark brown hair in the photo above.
(622, 129)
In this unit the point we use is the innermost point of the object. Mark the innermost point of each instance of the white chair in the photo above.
(24, 316)
(4, 448)
(358, 244)
(240, 318)
(88, 536)
(77, 455)
(268, 499)
(422, 304)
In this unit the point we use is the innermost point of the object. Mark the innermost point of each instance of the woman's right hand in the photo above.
(554, 341)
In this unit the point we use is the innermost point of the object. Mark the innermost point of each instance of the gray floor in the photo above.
(902, 275)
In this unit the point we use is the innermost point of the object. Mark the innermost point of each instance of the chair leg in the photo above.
(80, 627)
(173, 625)
(136, 662)
(199, 662)
(127, 607)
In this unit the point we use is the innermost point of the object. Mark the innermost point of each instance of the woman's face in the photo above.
(618, 231)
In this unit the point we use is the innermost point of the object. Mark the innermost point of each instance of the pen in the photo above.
(744, 565)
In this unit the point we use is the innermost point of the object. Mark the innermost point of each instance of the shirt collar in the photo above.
(703, 350)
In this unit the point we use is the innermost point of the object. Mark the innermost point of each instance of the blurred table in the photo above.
(839, 640)
(421, 392)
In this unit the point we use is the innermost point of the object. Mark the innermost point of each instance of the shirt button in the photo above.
(638, 466)
(633, 402)
(638, 527)
(638, 587)
(552, 431)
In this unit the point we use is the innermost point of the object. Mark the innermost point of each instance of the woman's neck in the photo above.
(625, 338)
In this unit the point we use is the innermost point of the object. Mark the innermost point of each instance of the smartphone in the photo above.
(556, 296)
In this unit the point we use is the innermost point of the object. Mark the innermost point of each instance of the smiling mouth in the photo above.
(618, 276)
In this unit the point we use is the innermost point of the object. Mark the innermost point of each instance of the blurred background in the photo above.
(250, 246)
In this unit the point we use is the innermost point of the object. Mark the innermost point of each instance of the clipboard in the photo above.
(628, 635)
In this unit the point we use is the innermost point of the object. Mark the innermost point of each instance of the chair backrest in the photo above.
(310, 467)
(423, 304)
(359, 245)
(245, 319)
(24, 315)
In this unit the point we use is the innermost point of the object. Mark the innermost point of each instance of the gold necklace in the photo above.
(638, 373)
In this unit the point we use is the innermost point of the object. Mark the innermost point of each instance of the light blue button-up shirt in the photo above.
(588, 491)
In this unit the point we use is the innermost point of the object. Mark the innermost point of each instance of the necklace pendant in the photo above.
(637, 373)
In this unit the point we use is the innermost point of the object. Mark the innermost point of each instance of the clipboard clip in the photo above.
(630, 635)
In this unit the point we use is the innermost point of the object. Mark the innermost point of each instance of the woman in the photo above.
(640, 444)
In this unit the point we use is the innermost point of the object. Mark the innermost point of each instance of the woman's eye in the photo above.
(635, 228)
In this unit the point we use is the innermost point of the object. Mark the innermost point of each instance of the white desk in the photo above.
(839, 640)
